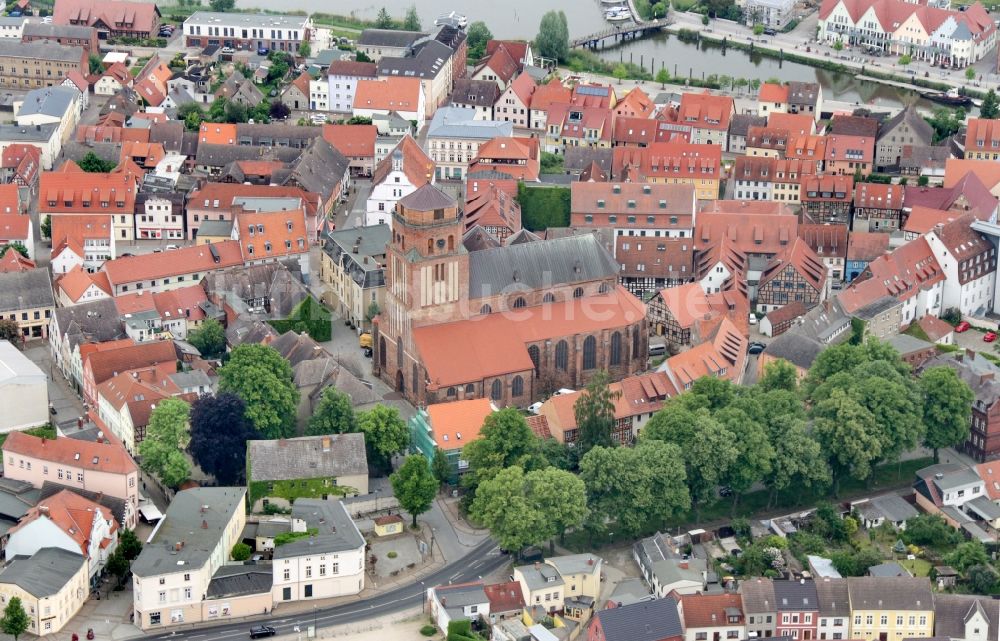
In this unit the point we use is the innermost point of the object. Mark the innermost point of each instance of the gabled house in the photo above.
(458, 602)
(480, 95)
(877, 207)
(658, 620)
(513, 105)
(712, 617)
(797, 605)
(400, 174)
(907, 128)
(969, 261)
(724, 356)
(892, 608)
(515, 156)
(115, 78)
(708, 116)
(398, 94)
(448, 427)
(685, 315)
(827, 198)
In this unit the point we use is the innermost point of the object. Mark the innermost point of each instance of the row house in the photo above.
(481, 96)
(384, 96)
(863, 248)
(850, 155)
(892, 609)
(786, 185)
(81, 241)
(830, 244)
(159, 216)
(685, 315)
(171, 269)
(712, 617)
(634, 132)
(795, 275)
(753, 177)
(767, 141)
(173, 313)
(79, 329)
(982, 139)
(827, 199)
(125, 402)
(772, 98)
(398, 175)
(247, 31)
(698, 165)
(513, 105)
(72, 192)
(877, 207)
(708, 116)
(101, 365)
(454, 136)
(651, 264)
(724, 356)
(80, 286)
(939, 36)
(541, 99)
(568, 125)
(214, 201)
(356, 143)
(969, 262)
(739, 127)
(634, 209)
(499, 67)
(809, 149)
(515, 156)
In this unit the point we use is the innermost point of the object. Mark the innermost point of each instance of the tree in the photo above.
(779, 374)
(361, 56)
(946, 123)
(663, 77)
(305, 50)
(219, 432)
(334, 414)
(411, 22)
(798, 459)
(240, 552)
(167, 437)
(970, 73)
(947, 407)
(94, 64)
(278, 110)
(46, 227)
(15, 620)
(263, 379)
(129, 545)
(923, 181)
(222, 5)
(981, 578)
(503, 507)
(990, 108)
(441, 467)
(658, 10)
(91, 163)
(385, 434)
(741, 83)
(905, 59)
(620, 73)
(476, 38)
(10, 331)
(383, 20)
(236, 112)
(755, 453)
(931, 529)
(560, 495)
(966, 555)
(838, 46)
(191, 114)
(848, 435)
(758, 29)
(118, 566)
(595, 414)
(414, 486)
(553, 36)
(209, 338)
(504, 440)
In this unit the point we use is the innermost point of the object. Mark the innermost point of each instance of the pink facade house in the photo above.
(798, 609)
(102, 467)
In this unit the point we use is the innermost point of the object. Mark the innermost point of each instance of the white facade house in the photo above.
(329, 564)
(448, 603)
(341, 83)
(319, 94)
(770, 13)
(12, 28)
(969, 263)
(61, 106)
(24, 394)
(400, 174)
(159, 220)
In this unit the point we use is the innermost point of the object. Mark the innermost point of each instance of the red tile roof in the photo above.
(524, 88)
(141, 389)
(709, 610)
(13, 261)
(457, 423)
(867, 246)
(74, 515)
(850, 148)
(805, 261)
(828, 241)
(14, 227)
(109, 363)
(518, 49)
(77, 281)
(770, 92)
(87, 193)
(935, 328)
(214, 133)
(110, 457)
(901, 273)
(552, 93)
(706, 111)
(635, 104)
(353, 141)
(923, 219)
(795, 124)
(353, 68)
(197, 258)
(504, 597)
(634, 131)
(417, 165)
(519, 157)
(982, 135)
(388, 94)
(669, 159)
(500, 61)
(117, 14)
(723, 356)
(284, 233)
(990, 473)
(830, 188)
(219, 196)
(688, 304)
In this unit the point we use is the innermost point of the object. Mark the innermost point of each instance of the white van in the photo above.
(657, 349)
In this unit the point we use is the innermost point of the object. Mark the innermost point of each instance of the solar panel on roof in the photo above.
(592, 91)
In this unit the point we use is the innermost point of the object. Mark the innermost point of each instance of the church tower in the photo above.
(426, 281)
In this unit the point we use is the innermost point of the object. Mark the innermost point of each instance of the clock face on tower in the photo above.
(440, 243)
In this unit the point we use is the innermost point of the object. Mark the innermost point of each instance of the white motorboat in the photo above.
(452, 17)
(617, 14)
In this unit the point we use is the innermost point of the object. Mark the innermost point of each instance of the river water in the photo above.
(518, 19)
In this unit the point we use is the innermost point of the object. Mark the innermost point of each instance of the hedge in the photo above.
(309, 317)
(543, 207)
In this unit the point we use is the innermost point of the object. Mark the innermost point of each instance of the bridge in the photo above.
(620, 33)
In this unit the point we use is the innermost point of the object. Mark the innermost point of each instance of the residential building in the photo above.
(863, 248)
(499, 67)
(754, 177)
(634, 209)
(771, 97)
(379, 43)
(440, 426)
(834, 608)
(724, 356)
(515, 156)
(88, 324)
(739, 126)
(356, 143)
(352, 267)
(342, 82)
(712, 616)
(983, 442)
(81, 242)
(544, 586)
(327, 564)
(907, 128)
(172, 574)
(982, 140)
(397, 176)
(73, 192)
(479, 95)
(278, 32)
(278, 470)
(23, 391)
(805, 98)
(214, 201)
(767, 141)
(115, 78)
(494, 210)
(877, 207)
(888, 508)
(698, 165)
(958, 494)
(827, 198)
(271, 229)
(102, 467)
(51, 584)
(664, 568)
(513, 105)
(27, 297)
(760, 607)
(786, 186)
(772, 13)
(830, 244)
(657, 620)
(43, 138)
(61, 106)
(171, 270)
(941, 36)
(126, 400)
(573, 125)
(891, 608)
(708, 116)
(454, 137)
(969, 262)
(398, 94)
(102, 365)
(457, 602)
(70, 522)
(796, 274)
(167, 315)
(12, 27)
(963, 616)
(686, 315)
(544, 96)
(798, 609)
(113, 19)
(36, 64)
(809, 149)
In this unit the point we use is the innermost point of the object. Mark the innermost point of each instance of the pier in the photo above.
(620, 33)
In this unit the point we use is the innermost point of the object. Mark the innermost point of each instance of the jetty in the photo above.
(614, 34)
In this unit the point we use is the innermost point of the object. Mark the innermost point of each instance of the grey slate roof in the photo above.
(54, 31)
(389, 38)
(957, 478)
(877, 593)
(646, 621)
(335, 530)
(40, 50)
(427, 198)
(540, 264)
(44, 573)
(271, 20)
(795, 596)
(574, 563)
(16, 497)
(113, 504)
(834, 599)
(17, 133)
(97, 321)
(460, 122)
(478, 93)
(305, 457)
(540, 576)
(740, 124)
(221, 155)
(918, 126)
(803, 93)
(49, 101)
(889, 506)
(320, 169)
(215, 228)
(478, 239)
(888, 569)
(240, 580)
(951, 611)
(188, 512)
(26, 290)
(371, 242)
(463, 594)
(906, 344)
(797, 349)
(758, 596)
(426, 62)
(271, 281)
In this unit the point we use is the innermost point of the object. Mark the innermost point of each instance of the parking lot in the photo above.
(973, 339)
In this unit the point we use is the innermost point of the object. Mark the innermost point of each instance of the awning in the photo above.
(150, 512)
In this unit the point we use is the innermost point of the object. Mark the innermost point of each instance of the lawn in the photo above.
(917, 567)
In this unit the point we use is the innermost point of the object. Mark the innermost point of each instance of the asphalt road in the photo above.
(482, 560)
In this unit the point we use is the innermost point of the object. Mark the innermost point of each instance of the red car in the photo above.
(989, 337)
(962, 327)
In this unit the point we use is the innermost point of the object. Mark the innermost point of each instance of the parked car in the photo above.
(172, 247)
(227, 50)
(989, 337)
(261, 631)
(962, 327)
(262, 51)
(770, 32)
(753, 318)
(756, 348)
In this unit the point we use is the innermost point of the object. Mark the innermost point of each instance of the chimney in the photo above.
(44, 509)
(354, 249)
(986, 376)
(178, 546)
(204, 524)
(537, 565)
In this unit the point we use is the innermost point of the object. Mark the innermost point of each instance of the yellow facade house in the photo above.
(52, 585)
(890, 609)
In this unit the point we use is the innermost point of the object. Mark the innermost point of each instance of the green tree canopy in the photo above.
(167, 437)
(946, 407)
(414, 486)
(263, 379)
(990, 108)
(92, 163)
(798, 459)
(559, 495)
(129, 544)
(512, 517)
(505, 440)
(240, 552)
(966, 555)
(848, 435)
(385, 433)
(931, 529)
(15, 620)
(477, 36)
(383, 20)
(333, 415)
(594, 411)
(10, 331)
(220, 430)
(779, 374)
(209, 338)
(982, 579)
(411, 22)
(552, 40)
(441, 467)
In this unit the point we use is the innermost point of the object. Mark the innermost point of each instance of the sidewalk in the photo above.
(401, 625)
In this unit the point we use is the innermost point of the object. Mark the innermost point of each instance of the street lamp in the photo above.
(315, 631)
(433, 530)
(423, 598)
